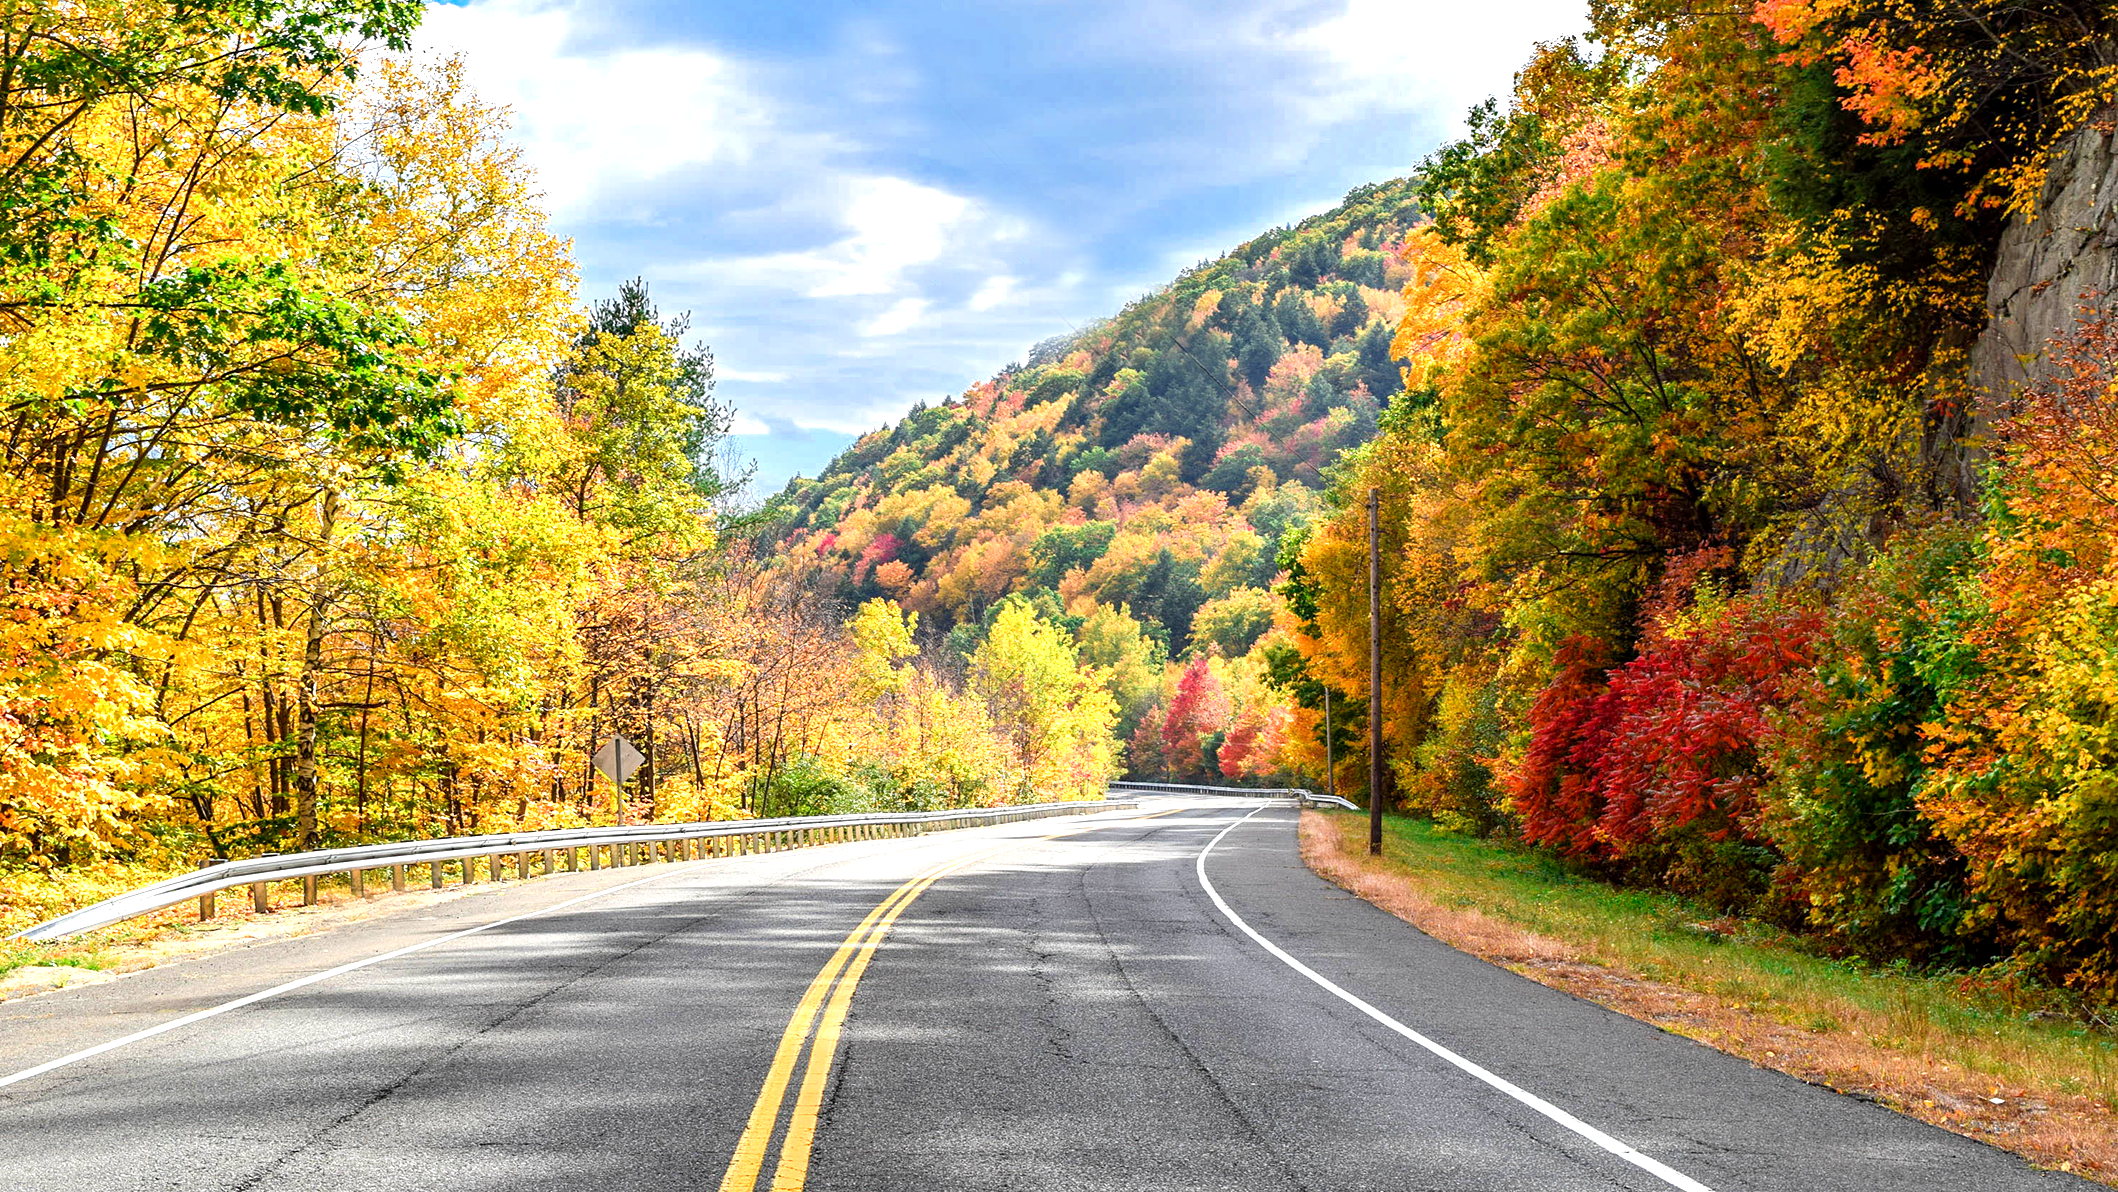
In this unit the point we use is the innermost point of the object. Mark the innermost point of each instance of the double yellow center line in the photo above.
(818, 1020)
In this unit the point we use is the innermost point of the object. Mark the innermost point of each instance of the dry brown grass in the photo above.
(2043, 1090)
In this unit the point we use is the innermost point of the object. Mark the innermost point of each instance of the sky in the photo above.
(864, 206)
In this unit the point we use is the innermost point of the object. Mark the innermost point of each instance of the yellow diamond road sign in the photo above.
(618, 759)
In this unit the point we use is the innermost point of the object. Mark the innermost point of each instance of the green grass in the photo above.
(1998, 1031)
(16, 954)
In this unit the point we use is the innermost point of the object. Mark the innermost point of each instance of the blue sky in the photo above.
(869, 205)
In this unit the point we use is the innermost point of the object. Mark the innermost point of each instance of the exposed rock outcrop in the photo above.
(2052, 266)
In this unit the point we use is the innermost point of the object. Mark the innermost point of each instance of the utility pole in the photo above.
(1375, 678)
(1330, 757)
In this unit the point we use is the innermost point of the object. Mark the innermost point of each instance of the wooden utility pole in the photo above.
(1330, 755)
(1375, 677)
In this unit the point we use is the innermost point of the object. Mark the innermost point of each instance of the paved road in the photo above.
(1065, 1008)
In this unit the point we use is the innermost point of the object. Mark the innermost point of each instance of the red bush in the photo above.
(1665, 744)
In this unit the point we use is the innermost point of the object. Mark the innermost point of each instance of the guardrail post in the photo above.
(260, 898)
(522, 865)
(359, 879)
(309, 890)
(397, 878)
(470, 871)
(434, 874)
(206, 900)
(595, 858)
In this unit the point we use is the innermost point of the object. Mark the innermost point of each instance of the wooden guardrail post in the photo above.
(206, 900)
(397, 878)
(359, 878)
(436, 874)
(309, 890)
(260, 897)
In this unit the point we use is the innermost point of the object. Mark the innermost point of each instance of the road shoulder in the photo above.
(2054, 1128)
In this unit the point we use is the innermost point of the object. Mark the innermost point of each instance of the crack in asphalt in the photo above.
(1198, 1065)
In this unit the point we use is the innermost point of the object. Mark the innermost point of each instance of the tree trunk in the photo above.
(305, 691)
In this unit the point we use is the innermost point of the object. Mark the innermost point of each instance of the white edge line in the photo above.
(313, 978)
(327, 974)
(1653, 1166)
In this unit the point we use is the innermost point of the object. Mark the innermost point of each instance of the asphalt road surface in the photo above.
(1059, 1004)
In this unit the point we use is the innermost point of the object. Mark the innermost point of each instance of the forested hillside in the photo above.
(1137, 481)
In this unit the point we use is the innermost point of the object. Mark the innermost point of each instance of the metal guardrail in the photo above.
(635, 844)
(1312, 799)
(1306, 798)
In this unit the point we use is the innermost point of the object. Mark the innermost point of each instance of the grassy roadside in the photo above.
(1966, 1057)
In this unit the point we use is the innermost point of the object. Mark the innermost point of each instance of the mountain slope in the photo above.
(1151, 461)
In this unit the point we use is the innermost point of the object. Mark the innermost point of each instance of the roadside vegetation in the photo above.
(329, 511)
(2011, 1064)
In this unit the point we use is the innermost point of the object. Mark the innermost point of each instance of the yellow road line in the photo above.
(793, 1169)
(749, 1156)
(792, 1172)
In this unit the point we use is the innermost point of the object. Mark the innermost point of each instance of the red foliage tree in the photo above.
(1668, 744)
(1198, 709)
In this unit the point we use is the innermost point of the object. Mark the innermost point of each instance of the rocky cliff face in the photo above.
(2054, 265)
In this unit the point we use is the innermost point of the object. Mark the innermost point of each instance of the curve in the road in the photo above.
(1647, 1163)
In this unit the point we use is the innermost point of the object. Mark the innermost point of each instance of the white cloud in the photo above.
(750, 377)
(894, 228)
(994, 292)
(901, 316)
(896, 225)
(597, 124)
(745, 424)
(1397, 56)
